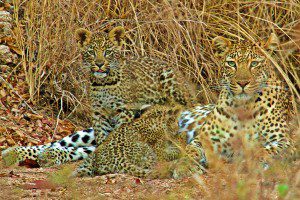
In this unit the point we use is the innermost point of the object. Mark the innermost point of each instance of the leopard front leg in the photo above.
(273, 131)
(193, 161)
(171, 87)
(167, 150)
(102, 125)
(87, 168)
(276, 141)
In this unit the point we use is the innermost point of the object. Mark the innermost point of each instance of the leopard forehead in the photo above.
(244, 51)
(100, 41)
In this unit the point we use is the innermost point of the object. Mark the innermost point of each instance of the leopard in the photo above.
(138, 148)
(76, 146)
(120, 88)
(121, 85)
(135, 148)
(157, 129)
(253, 106)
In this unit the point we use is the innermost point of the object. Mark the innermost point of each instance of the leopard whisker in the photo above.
(278, 87)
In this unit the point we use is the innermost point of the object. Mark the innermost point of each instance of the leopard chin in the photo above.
(100, 74)
(243, 95)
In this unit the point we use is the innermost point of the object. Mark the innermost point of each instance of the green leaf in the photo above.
(282, 190)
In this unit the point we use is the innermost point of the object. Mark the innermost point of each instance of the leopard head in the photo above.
(245, 68)
(101, 52)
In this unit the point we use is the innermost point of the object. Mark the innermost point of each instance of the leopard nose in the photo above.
(243, 83)
(99, 64)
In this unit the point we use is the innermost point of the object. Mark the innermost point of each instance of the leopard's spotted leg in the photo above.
(274, 133)
(61, 155)
(102, 126)
(135, 170)
(87, 168)
(190, 121)
(14, 155)
(90, 168)
(17, 154)
(194, 161)
(277, 143)
(82, 138)
(277, 147)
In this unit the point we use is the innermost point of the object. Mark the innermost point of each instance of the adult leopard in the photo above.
(253, 105)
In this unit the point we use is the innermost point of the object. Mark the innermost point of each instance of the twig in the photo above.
(57, 118)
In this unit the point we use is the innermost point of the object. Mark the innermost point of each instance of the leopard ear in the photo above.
(220, 45)
(117, 35)
(83, 37)
(272, 43)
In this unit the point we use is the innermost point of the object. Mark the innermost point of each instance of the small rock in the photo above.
(6, 56)
(4, 68)
(5, 16)
(5, 29)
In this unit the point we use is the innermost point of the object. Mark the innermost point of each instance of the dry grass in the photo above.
(177, 31)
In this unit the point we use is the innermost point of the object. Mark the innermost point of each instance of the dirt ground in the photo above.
(53, 183)
(26, 183)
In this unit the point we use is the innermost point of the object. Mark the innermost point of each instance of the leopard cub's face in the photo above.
(245, 67)
(101, 51)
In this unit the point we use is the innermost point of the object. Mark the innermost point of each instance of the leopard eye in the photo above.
(231, 64)
(91, 54)
(107, 53)
(253, 64)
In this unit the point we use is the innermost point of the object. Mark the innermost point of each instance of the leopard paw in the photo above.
(185, 167)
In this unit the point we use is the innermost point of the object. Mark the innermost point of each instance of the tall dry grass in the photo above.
(177, 31)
